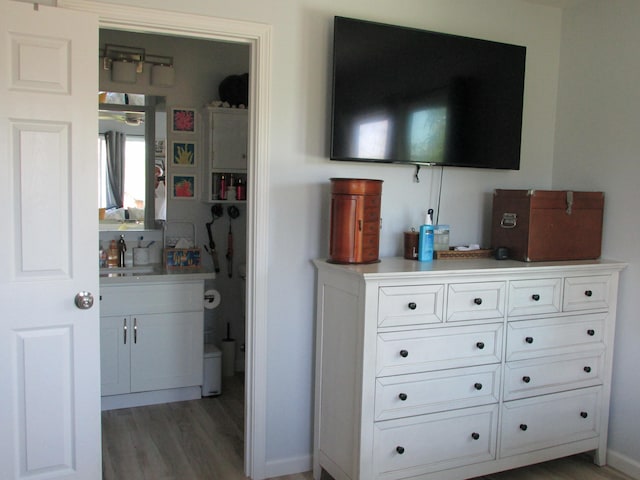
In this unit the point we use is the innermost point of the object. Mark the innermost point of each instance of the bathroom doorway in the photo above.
(257, 36)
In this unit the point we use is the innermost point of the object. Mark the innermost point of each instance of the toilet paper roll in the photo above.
(211, 299)
(228, 357)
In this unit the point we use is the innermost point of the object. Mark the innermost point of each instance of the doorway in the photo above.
(258, 37)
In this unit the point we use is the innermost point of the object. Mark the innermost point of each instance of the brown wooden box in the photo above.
(355, 220)
(546, 225)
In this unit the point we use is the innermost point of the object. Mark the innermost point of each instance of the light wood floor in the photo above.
(203, 439)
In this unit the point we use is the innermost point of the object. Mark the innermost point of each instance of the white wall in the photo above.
(597, 145)
(300, 169)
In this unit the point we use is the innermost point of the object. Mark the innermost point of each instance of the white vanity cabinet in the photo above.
(151, 340)
(458, 368)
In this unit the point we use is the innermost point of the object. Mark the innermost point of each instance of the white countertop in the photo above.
(152, 274)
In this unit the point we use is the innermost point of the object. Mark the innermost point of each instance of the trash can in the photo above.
(212, 375)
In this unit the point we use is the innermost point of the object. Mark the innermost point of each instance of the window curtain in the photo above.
(115, 142)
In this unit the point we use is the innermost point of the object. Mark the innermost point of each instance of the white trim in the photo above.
(258, 36)
(624, 464)
(280, 467)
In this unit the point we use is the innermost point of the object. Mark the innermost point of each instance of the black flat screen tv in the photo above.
(403, 95)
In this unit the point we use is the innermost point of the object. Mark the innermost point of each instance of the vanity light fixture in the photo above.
(124, 62)
(162, 72)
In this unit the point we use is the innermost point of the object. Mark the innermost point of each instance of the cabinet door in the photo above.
(166, 351)
(228, 147)
(114, 354)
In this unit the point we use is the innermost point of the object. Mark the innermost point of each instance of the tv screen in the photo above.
(403, 95)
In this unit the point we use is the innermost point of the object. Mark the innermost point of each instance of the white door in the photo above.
(49, 348)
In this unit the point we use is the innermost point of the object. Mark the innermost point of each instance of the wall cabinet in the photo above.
(460, 368)
(151, 339)
(226, 141)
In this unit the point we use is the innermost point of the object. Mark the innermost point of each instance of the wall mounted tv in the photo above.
(403, 95)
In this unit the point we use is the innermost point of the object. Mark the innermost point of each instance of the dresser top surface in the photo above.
(394, 266)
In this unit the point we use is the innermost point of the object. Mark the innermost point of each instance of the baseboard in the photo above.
(625, 464)
(289, 466)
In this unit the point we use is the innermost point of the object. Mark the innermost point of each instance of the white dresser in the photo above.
(458, 368)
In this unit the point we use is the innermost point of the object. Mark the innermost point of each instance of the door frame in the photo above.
(258, 37)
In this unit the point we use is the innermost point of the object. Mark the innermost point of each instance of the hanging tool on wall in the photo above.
(216, 211)
(233, 213)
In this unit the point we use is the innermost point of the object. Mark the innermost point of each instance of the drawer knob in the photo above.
(404, 353)
(480, 345)
(526, 379)
(587, 369)
(475, 435)
(535, 297)
(584, 414)
(523, 427)
(588, 293)
(402, 396)
(591, 332)
(529, 339)
(477, 386)
(400, 449)
(412, 305)
(477, 301)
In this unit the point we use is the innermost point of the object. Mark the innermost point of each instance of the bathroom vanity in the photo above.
(454, 369)
(151, 336)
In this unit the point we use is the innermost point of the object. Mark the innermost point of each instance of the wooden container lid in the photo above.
(355, 186)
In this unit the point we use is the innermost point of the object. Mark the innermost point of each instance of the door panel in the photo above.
(49, 348)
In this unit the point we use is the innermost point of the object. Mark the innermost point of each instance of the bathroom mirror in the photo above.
(131, 140)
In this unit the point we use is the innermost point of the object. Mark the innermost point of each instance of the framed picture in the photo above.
(183, 187)
(183, 120)
(160, 148)
(183, 154)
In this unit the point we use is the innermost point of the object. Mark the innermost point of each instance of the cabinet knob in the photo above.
(584, 414)
(404, 353)
(477, 301)
(480, 345)
(402, 396)
(535, 297)
(587, 369)
(400, 449)
(477, 386)
(529, 339)
(523, 427)
(526, 379)
(588, 293)
(591, 332)
(412, 306)
(475, 435)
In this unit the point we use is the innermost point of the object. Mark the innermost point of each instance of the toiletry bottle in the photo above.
(112, 254)
(223, 187)
(425, 240)
(240, 189)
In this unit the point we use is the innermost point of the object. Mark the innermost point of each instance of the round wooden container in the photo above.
(355, 220)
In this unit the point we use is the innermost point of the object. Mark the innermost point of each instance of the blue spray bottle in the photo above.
(425, 239)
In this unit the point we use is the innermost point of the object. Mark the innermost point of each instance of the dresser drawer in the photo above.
(555, 336)
(527, 378)
(435, 349)
(529, 297)
(410, 305)
(475, 301)
(421, 393)
(586, 293)
(549, 420)
(429, 443)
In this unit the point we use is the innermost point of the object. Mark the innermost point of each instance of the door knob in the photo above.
(84, 300)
